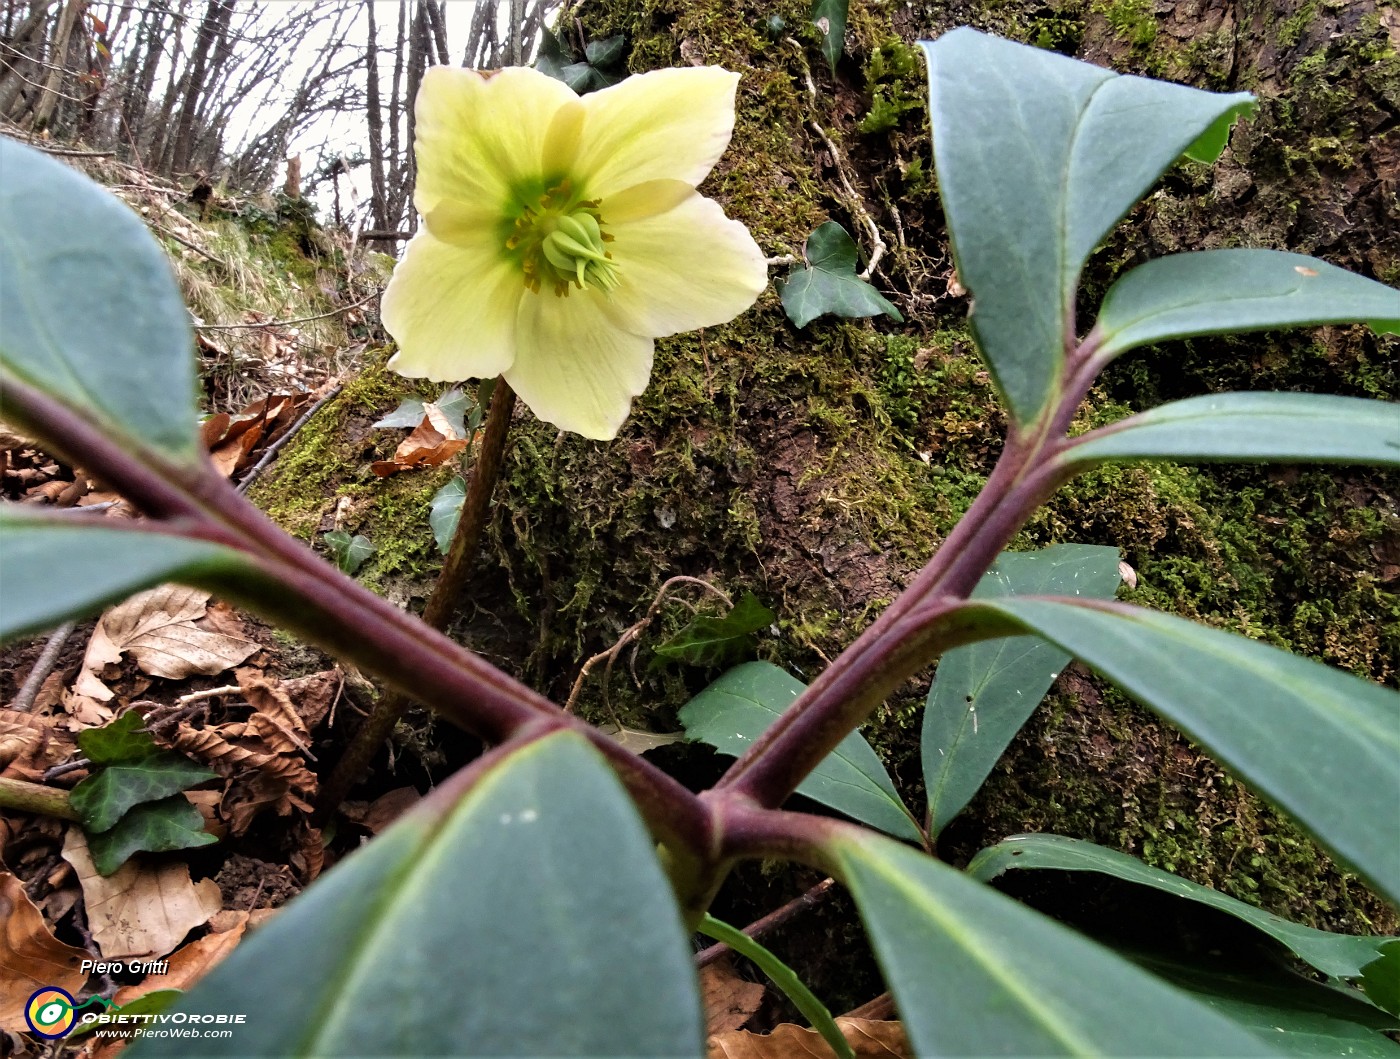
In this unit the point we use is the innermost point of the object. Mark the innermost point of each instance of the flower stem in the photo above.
(466, 541)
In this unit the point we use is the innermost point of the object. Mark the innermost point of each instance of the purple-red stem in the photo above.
(311, 597)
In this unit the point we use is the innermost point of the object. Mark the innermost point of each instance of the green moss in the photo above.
(323, 481)
(820, 468)
(895, 76)
(1290, 30)
(1131, 20)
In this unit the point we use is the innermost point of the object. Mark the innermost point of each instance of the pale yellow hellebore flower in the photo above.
(562, 234)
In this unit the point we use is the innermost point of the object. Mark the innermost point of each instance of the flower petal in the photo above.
(574, 367)
(688, 267)
(478, 138)
(666, 124)
(452, 309)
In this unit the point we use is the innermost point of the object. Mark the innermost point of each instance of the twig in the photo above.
(856, 203)
(35, 798)
(630, 634)
(67, 767)
(61, 153)
(84, 509)
(781, 259)
(193, 246)
(277, 445)
(288, 323)
(388, 233)
(773, 920)
(43, 666)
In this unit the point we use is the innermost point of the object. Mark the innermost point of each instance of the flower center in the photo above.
(561, 241)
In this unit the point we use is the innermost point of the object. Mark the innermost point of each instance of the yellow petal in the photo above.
(644, 200)
(688, 267)
(452, 310)
(477, 138)
(669, 124)
(574, 367)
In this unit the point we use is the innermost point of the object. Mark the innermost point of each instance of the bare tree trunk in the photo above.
(374, 117)
(437, 19)
(53, 84)
(150, 38)
(211, 29)
(18, 69)
(160, 127)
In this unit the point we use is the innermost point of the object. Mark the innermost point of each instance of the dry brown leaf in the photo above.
(264, 756)
(387, 808)
(30, 956)
(157, 629)
(638, 740)
(207, 802)
(230, 919)
(22, 738)
(313, 695)
(730, 1000)
(274, 718)
(144, 909)
(85, 711)
(191, 963)
(60, 902)
(432, 443)
(309, 857)
(31, 744)
(868, 1039)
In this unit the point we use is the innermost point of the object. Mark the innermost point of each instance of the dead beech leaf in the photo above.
(30, 956)
(22, 737)
(264, 756)
(730, 1000)
(432, 443)
(144, 909)
(313, 695)
(637, 740)
(85, 711)
(387, 808)
(157, 628)
(869, 1039)
(189, 964)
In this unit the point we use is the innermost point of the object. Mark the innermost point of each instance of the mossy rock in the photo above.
(820, 468)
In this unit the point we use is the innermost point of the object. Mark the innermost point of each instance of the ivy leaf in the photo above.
(606, 52)
(134, 770)
(156, 827)
(829, 16)
(829, 284)
(711, 641)
(411, 410)
(445, 510)
(601, 69)
(124, 740)
(349, 552)
(103, 799)
(409, 413)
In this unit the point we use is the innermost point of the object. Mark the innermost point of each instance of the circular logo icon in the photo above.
(50, 1012)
